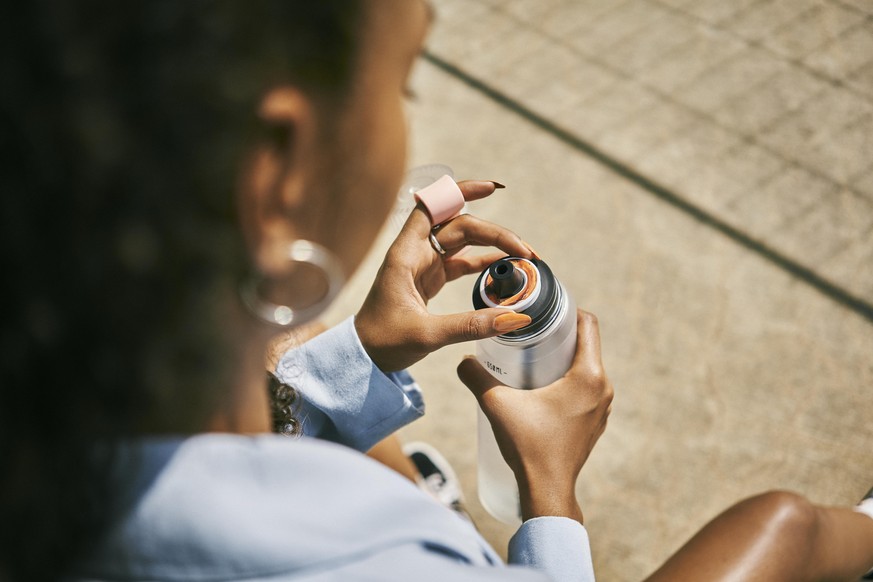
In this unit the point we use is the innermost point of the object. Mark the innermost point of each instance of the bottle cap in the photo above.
(511, 283)
(443, 200)
(540, 298)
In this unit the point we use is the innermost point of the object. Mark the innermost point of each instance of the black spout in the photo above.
(506, 280)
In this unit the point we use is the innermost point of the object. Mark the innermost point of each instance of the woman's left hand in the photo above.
(394, 325)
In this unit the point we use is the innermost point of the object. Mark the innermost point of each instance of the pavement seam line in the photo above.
(780, 260)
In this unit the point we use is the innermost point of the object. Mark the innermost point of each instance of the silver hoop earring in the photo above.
(300, 251)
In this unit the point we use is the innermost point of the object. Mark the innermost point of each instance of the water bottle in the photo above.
(531, 357)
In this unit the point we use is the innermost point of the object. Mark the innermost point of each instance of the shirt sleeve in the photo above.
(556, 545)
(345, 398)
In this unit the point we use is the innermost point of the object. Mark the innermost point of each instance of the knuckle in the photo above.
(606, 400)
(458, 227)
(473, 328)
(454, 232)
(608, 393)
(507, 238)
(596, 377)
(464, 220)
(397, 254)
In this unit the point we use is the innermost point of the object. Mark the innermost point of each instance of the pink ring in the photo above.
(442, 200)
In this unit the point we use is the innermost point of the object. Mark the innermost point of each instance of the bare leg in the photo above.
(776, 536)
(389, 453)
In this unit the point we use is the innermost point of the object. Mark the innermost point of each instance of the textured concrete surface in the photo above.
(677, 88)
(733, 376)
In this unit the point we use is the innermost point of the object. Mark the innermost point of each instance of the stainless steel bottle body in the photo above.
(533, 362)
(525, 360)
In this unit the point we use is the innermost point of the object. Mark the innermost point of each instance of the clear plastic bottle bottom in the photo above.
(498, 491)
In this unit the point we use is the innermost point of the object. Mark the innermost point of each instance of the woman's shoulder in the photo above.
(240, 506)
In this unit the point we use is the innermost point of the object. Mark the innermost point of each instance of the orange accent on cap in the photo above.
(528, 270)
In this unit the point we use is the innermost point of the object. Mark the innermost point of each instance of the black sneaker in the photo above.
(438, 479)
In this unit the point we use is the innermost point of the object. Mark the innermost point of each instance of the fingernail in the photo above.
(510, 322)
(533, 252)
(497, 184)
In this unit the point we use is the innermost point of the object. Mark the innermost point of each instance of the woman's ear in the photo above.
(273, 188)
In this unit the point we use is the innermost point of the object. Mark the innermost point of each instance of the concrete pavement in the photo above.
(734, 373)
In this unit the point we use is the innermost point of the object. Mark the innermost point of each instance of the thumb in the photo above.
(474, 325)
(475, 377)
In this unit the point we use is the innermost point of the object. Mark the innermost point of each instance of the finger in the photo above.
(477, 189)
(587, 359)
(470, 230)
(419, 220)
(475, 377)
(458, 266)
(474, 325)
(418, 223)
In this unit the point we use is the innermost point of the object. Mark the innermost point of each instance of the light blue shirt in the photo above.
(232, 507)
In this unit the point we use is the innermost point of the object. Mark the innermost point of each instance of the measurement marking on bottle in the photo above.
(495, 369)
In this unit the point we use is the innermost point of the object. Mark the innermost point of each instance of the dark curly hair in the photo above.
(122, 126)
(284, 401)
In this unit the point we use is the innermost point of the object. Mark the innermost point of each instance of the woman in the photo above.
(178, 173)
(176, 168)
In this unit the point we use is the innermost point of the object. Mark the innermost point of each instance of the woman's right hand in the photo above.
(546, 434)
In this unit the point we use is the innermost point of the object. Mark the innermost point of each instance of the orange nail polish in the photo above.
(510, 322)
(533, 252)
